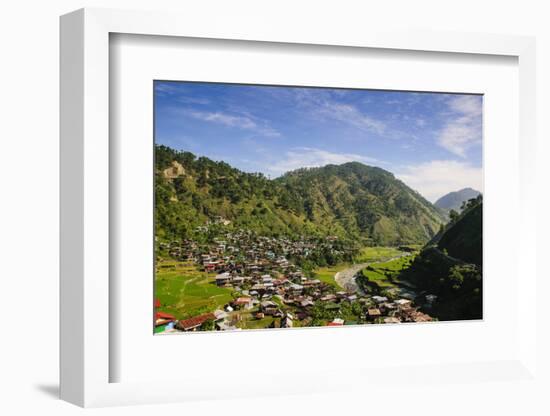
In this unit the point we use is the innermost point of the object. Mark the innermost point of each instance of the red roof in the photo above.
(242, 301)
(195, 321)
(162, 315)
(157, 303)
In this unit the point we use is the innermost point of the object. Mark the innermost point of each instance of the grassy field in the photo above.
(386, 273)
(371, 254)
(326, 274)
(367, 255)
(247, 320)
(256, 323)
(185, 291)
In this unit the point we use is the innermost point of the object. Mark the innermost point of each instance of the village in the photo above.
(269, 289)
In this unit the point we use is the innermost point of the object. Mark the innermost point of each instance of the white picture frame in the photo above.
(86, 265)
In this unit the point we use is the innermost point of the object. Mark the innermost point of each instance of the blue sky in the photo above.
(431, 141)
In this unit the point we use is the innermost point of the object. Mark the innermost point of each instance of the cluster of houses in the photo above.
(244, 251)
(290, 298)
(269, 285)
(382, 310)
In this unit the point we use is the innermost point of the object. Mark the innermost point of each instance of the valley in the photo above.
(333, 246)
(277, 294)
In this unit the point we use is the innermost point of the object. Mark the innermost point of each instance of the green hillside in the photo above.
(369, 203)
(463, 238)
(450, 266)
(355, 202)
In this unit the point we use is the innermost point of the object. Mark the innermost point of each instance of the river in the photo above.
(346, 277)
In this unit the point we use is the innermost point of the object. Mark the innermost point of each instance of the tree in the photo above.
(208, 325)
(456, 279)
(453, 215)
(308, 207)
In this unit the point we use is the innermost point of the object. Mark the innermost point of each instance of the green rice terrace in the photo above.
(186, 291)
(386, 274)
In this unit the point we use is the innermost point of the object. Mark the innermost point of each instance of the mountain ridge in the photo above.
(453, 200)
(352, 201)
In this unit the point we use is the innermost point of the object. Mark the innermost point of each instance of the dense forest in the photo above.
(354, 202)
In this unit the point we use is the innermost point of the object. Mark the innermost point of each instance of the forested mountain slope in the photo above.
(352, 201)
(451, 266)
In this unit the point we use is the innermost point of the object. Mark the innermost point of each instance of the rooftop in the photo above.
(195, 321)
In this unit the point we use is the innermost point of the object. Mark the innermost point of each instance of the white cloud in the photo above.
(349, 114)
(164, 89)
(228, 120)
(193, 100)
(420, 122)
(457, 138)
(466, 104)
(439, 177)
(464, 129)
(241, 122)
(307, 157)
(321, 104)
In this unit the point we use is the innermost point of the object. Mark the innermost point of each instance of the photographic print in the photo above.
(296, 207)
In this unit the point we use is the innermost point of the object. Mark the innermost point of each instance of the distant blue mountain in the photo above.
(454, 200)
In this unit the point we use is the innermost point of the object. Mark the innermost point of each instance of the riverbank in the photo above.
(346, 278)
